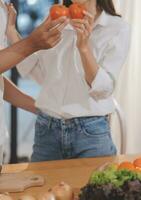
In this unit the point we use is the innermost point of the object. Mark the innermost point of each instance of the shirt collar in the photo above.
(102, 19)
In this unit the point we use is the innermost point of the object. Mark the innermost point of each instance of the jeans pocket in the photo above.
(96, 127)
(41, 126)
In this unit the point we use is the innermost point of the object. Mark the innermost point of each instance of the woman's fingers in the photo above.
(80, 26)
(12, 15)
(82, 30)
(55, 40)
(81, 21)
(60, 27)
(11, 7)
(57, 30)
(89, 17)
(84, 26)
(52, 24)
(52, 31)
(88, 14)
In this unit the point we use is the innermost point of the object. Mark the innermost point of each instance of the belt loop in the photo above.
(49, 121)
(77, 122)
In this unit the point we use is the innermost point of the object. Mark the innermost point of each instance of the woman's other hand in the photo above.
(48, 34)
(83, 29)
(11, 21)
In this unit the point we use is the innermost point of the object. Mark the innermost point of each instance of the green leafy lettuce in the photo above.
(113, 176)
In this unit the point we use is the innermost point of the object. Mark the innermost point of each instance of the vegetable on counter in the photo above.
(5, 197)
(115, 182)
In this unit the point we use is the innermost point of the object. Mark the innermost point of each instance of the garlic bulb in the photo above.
(5, 197)
(62, 191)
(26, 197)
(47, 196)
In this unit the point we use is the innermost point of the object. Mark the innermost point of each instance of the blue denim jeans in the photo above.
(57, 139)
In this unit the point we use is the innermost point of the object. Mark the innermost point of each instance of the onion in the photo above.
(5, 197)
(26, 197)
(62, 191)
(47, 196)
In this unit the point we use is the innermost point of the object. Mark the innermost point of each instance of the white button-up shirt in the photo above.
(65, 92)
(3, 20)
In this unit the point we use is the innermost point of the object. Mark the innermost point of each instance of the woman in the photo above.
(78, 78)
(11, 56)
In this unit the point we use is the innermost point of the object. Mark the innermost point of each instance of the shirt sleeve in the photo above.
(31, 68)
(109, 66)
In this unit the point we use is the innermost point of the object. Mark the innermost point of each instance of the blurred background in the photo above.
(21, 124)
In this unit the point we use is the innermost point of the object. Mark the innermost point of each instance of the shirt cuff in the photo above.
(103, 85)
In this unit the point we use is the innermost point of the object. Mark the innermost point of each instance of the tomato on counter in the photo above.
(134, 166)
(126, 165)
(137, 162)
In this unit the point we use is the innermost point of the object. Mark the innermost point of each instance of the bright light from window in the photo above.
(31, 2)
(24, 22)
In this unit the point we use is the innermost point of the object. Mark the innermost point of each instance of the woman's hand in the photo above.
(11, 22)
(83, 29)
(48, 34)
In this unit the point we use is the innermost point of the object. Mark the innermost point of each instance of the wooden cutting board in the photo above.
(18, 182)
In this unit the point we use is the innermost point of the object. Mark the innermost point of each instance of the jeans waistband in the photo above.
(75, 120)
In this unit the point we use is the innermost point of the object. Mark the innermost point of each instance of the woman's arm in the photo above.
(47, 35)
(84, 29)
(29, 67)
(101, 76)
(10, 56)
(89, 63)
(17, 98)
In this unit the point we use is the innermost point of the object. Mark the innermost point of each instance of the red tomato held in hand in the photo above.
(57, 11)
(77, 11)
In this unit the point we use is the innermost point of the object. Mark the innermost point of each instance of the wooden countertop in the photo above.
(75, 172)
